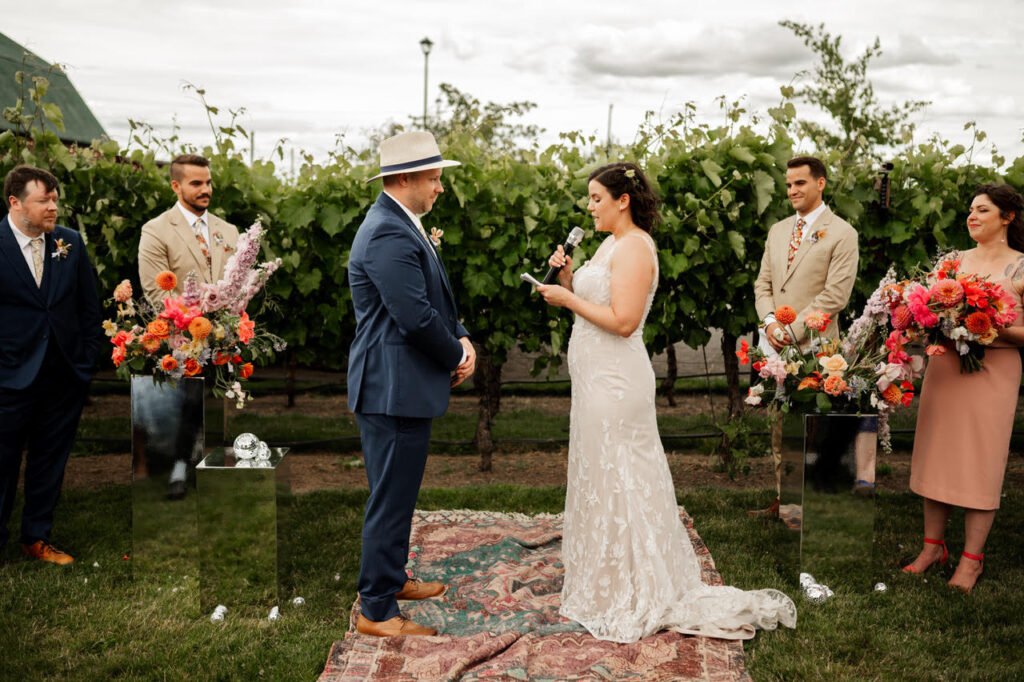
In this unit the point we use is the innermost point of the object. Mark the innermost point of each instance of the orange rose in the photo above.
(812, 382)
(117, 355)
(159, 328)
(151, 343)
(834, 385)
(192, 367)
(221, 358)
(168, 363)
(785, 315)
(166, 280)
(245, 371)
(199, 327)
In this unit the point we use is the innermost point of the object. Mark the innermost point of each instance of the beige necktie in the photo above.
(37, 259)
(203, 246)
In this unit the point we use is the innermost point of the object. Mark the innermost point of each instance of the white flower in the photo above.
(754, 395)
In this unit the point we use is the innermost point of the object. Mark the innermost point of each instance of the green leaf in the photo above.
(742, 154)
(764, 188)
(737, 243)
(713, 171)
(823, 402)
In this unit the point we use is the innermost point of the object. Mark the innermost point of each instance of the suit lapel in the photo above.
(16, 261)
(216, 247)
(184, 231)
(414, 231)
(808, 242)
(53, 270)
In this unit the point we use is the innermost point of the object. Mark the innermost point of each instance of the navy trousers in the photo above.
(395, 450)
(42, 418)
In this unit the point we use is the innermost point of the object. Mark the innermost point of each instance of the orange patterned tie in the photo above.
(796, 238)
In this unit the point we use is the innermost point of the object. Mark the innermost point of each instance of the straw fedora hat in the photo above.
(409, 152)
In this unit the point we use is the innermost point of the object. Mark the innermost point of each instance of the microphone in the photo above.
(574, 238)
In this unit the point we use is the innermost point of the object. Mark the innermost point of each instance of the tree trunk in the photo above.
(732, 374)
(668, 384)
(487, 380)
(290, 380)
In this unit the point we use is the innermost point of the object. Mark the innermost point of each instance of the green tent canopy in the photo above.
(80, 125)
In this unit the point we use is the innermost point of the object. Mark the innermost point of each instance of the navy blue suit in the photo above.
(49, 339)
(405, 348)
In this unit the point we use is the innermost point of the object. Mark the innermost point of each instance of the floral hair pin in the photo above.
(61, 249)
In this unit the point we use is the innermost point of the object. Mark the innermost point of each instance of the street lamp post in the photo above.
(425, 45)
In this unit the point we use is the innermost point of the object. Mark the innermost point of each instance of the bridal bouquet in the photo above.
(868, 371)
(948, 309)
(205, 330)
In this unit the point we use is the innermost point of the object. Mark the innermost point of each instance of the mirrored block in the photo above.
(838, 511)
(243, 506)
(788, 436)
(167, 442)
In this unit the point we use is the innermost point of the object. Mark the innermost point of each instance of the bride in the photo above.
(630, 569)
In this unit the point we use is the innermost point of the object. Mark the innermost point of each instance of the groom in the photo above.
(409, 350)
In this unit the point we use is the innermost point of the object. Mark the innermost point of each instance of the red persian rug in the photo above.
(499, 619)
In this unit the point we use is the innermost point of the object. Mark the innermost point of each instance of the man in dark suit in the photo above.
(50, 335)
(409, 350)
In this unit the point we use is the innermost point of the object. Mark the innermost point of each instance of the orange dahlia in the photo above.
(199, 327)
(166, 280)
(151, 343)
(785, 315)
(978, 323)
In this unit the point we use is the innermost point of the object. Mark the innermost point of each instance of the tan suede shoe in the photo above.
(399, 626)
(44, 551)
(417, 589)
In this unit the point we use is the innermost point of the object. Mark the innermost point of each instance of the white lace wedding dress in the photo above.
(630, 569)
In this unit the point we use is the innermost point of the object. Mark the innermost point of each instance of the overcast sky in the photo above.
(310, 70)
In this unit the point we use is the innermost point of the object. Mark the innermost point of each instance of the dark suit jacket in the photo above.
(64, 310)
(407, 330)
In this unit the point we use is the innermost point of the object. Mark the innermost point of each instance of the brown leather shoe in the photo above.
(417, 589)
(772, 512)
(44, 551)
(399, 626)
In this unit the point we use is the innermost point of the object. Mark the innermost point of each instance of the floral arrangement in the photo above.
(205, 329)
(868, 373)
(950, 310)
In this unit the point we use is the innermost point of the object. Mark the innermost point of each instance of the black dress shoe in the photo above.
(176, 490)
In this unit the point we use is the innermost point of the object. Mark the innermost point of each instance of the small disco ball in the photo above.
(881, 587)
(817, 594)
(246, 445)
(262, 451)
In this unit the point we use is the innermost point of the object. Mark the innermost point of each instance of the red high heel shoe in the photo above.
(980, 558)
(909, 568)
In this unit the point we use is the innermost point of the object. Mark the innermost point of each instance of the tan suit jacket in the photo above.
(168, 243)
(821, 276)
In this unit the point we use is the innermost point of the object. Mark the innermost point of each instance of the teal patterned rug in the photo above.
(499, 619)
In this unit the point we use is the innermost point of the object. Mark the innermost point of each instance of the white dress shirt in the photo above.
(192, 218)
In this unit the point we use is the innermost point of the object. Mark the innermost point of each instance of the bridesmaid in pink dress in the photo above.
(964, 423)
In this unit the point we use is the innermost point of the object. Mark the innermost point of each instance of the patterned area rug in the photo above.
(499, 619)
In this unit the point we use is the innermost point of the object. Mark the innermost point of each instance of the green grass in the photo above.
(88, 623)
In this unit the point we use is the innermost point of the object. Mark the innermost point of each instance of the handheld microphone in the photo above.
(574, 238)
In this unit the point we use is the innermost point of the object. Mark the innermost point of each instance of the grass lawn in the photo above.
(89, 622)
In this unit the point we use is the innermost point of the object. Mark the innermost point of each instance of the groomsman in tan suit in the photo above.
(187, 237)
(809, 263)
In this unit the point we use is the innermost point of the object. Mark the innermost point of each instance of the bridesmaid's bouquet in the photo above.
(946, 309)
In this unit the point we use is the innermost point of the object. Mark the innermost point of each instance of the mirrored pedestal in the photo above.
(243, 512)
(167, 442)
(828, 493)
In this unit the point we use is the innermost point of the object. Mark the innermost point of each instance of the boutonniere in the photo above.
(61, 249)
(816, 235)
(218, 240)
(435, 237)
